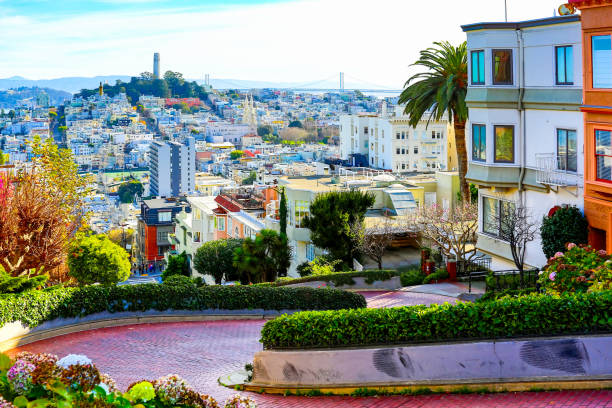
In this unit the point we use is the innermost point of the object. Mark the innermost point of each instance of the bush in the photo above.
(97, 259)
(339, 278)
(321, 265)
(216, 258)
(18, 284)
(533, 315)
(412, 277)
(34, 307)
(489, 296)
(579, 269)
(510, 281)
(440, 274)
(177, 265)
(563, 225)
(179, 280)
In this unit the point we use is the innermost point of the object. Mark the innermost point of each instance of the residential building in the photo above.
(172, 167)
(240, 214)
(391, 143)
(597, 110)
(155, 225)
(194, 225)
(524, 133)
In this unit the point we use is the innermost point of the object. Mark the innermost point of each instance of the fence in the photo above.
(508, 279)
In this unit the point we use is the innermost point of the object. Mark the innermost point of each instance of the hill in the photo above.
(9, 98)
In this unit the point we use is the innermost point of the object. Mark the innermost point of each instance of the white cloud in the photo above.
(298, 41)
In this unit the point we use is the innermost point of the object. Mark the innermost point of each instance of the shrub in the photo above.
(179, 280)
(96, 259)
(412, 277)
(440, 274)
(18, 284)
(579, 269)
(510, 281)
(339, 278)
(177, 265)
(215, 258)
(488, 296)
(264, 258)
(34, 307)
(321, 265)
(561, 226)
(532, 315)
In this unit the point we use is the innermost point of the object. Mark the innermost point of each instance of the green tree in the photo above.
(96, 259)
(264, 258)
(177, 265)
(265, 130)
(236, 154)
(250, 180)
(441, 90)
(562, 226)
(216, 258)
(296, 123)
(2, 158)
(128, 190)
(282, 212)
(332, 219)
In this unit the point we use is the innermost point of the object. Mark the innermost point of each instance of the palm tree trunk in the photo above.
(462, 160)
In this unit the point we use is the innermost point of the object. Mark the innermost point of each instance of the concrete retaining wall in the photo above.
(360, 284)
(538, 359)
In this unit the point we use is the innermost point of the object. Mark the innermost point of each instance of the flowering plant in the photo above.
(20, 376)
(579, 269)
(239, 401)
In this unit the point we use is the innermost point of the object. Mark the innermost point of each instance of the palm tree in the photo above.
(439, 91)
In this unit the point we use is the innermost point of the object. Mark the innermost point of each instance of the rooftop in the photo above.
(521, 24)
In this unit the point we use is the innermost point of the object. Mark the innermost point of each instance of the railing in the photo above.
(553, 170)
(512, 279)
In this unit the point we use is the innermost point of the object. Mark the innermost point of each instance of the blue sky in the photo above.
(274, 40)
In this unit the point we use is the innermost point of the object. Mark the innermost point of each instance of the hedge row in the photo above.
(533, 315)
(35, 307)
(341, 278)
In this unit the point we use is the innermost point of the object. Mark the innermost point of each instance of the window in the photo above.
(491, 219)
(397, 135)
(221, 223)
(163, 236)
(301, 210)
(164, 216)
(478, 68)
(502, 67)
(603, 154)
(310, 252)
(403, 166)
(403, 135)
(197, 236)
(504, 144)
(433, 134)
(564, 57)
(479, 142)
(397, 151)
(365, 130)
(567, 150)
(403, 151)
(229, 225)
(416, 149)
(407, 151)
(602, 61)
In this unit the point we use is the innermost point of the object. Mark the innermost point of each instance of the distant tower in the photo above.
(101, 89)
(384, 113)
(156, 65)
(249, 114)
(342, 81)
(207, 80)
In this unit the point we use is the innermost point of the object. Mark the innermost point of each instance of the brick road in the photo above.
(201, 352)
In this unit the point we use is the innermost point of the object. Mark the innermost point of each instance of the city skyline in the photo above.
(238, 39)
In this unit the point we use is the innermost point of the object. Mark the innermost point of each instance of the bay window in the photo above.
(492, 215)
(502, 67)
(504, 143)
(479, 143)
(603, 155)
(601, 46)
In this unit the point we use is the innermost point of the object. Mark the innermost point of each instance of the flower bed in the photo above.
(40, 380)
(533, 315)
(35, 307)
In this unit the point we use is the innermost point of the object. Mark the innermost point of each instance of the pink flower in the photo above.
(552, 276)
(558, 255)
(602, 252)
(571, 245)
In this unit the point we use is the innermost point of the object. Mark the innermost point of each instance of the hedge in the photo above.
(341, 278)
(35, 307)
(533, 315)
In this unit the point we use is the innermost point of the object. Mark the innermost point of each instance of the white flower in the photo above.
(74, 359)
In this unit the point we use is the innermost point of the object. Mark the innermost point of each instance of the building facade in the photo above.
(390, 143)
(524, 134)
(172, 167)
(597, 109)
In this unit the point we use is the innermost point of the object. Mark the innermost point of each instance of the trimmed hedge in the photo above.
(35, 307)
(340, 278)
(533, 315)
(489, 296)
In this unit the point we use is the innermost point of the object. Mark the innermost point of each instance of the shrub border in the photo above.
(341, 278)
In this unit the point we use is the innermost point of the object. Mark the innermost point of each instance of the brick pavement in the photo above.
(201, 352)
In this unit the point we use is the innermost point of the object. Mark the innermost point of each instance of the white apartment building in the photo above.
(390, 143)
(525, 129)
(194, 228)
(220, 132)
(172, 167)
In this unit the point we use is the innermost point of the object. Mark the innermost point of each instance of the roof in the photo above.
(227, 204)
(521, 24)
(160, 203)
(206, 203)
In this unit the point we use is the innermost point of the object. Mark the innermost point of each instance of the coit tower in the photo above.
(156, 65)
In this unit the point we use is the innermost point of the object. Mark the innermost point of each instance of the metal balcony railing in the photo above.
(553, 170)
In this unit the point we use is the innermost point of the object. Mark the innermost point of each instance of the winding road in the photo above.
(201, 352)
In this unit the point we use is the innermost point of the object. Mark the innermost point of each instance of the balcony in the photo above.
(552, 171)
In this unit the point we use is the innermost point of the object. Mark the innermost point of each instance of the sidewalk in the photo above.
(450, 289)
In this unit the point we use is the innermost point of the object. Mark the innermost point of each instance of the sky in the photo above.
(372, 41)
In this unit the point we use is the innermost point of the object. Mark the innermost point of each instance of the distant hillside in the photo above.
(9, 98)
(68, 84)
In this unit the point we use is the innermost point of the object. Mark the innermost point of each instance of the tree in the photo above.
(442, 88)
(216, 258)
(2, 158)
(517, 229)
(282, 211)
(264, 258)
(128, 190)
(121, 236)
(293, 134)
(250, 180)
(177, 265)
(374, 241)
(236, 154)
(331, 220)
(264, 130)
(561, 226)
(96, 259)
(296, 124)
(146, 76)
(453, 229)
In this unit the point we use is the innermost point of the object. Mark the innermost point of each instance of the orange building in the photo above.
(597, 108)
